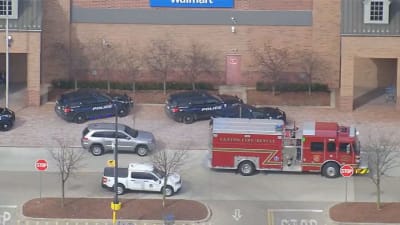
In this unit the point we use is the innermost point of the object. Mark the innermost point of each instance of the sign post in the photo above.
(346, 171)
(41, 165)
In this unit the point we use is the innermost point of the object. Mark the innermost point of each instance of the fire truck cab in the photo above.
(260, 144)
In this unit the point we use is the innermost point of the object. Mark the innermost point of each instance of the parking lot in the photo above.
(40, 126)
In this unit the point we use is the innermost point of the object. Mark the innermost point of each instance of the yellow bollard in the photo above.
(115, 207)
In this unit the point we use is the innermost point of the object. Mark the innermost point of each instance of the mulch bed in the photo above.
(365, 212)
(99, 208)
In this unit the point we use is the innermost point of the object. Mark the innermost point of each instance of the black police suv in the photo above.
(82, 105)
(7, 119)
(189, 106)
(252, 112)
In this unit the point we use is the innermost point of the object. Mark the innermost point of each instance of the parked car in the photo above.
(7, 119)
(99, 138)
(141, 177)
(82, 105)
(251, 112)
(190, 106)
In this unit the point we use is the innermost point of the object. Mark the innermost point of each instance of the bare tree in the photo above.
(72, 59)
(104, 56)
(131, 63)
(78, 62)
(68, 161)
(383, 151)
(162, 58)
(168, 162)
(311, 64)
(271, 62)
(196, 61)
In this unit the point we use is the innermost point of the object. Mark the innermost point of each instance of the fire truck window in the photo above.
(317, 146)
(344, 147)
(331, 146)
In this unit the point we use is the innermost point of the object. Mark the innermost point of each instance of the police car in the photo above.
(189, 106)
(7, 118)
(82, 105)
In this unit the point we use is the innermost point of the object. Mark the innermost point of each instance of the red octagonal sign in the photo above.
(41, 164)
(346, 171)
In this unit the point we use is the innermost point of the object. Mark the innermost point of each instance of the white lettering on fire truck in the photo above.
(247, 140)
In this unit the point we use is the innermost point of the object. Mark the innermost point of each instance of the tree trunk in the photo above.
(165, 87)
(163, 196)
(75, 84)
(193, 86)
(62, 191)
(378, 192)
(133, 87)
(309, 89)
(273, 90)
(108, 86)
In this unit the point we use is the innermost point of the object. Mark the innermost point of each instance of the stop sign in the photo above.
(41, 164)
(346, 171)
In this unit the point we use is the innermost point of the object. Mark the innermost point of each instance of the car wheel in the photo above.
(6, 126)
(80, 118)
(142, 150)
(122, 112)
(246, 168)
(188, 119)
(97, 150)
(168, 190)
(330, 170)
(120, 189)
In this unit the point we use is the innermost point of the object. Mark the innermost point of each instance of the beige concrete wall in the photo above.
(365, 79)
(29, 43)
(33, 68)
(17, 66)
(383, 55)
(387, 70)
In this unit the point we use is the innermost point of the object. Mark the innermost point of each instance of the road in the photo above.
(264, 195)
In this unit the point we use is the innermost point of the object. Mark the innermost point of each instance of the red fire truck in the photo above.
(260, 144)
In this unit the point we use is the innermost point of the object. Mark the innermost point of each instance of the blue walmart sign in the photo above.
(192, 3)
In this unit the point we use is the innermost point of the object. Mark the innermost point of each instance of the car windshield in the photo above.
(131, 132)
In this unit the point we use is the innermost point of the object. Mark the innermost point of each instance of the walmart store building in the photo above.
(357, 39)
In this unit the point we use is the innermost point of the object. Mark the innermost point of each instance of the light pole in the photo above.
(115, 205)
(7, 61)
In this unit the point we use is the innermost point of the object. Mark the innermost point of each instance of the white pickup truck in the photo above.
(141, 177)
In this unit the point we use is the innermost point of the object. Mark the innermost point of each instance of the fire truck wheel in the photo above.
(246, 168)
(331, 170)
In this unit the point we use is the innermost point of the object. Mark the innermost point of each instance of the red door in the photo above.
(233, 74)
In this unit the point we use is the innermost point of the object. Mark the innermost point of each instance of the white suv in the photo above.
(141, 177)
(100, 137)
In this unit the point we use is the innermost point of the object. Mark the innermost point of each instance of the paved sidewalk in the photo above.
(40, 126)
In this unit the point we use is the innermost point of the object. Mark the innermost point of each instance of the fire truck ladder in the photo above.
(292, 154)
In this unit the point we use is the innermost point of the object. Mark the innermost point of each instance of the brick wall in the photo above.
(218, 39)
(322, 37)
(55, 39)
(326, 38)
